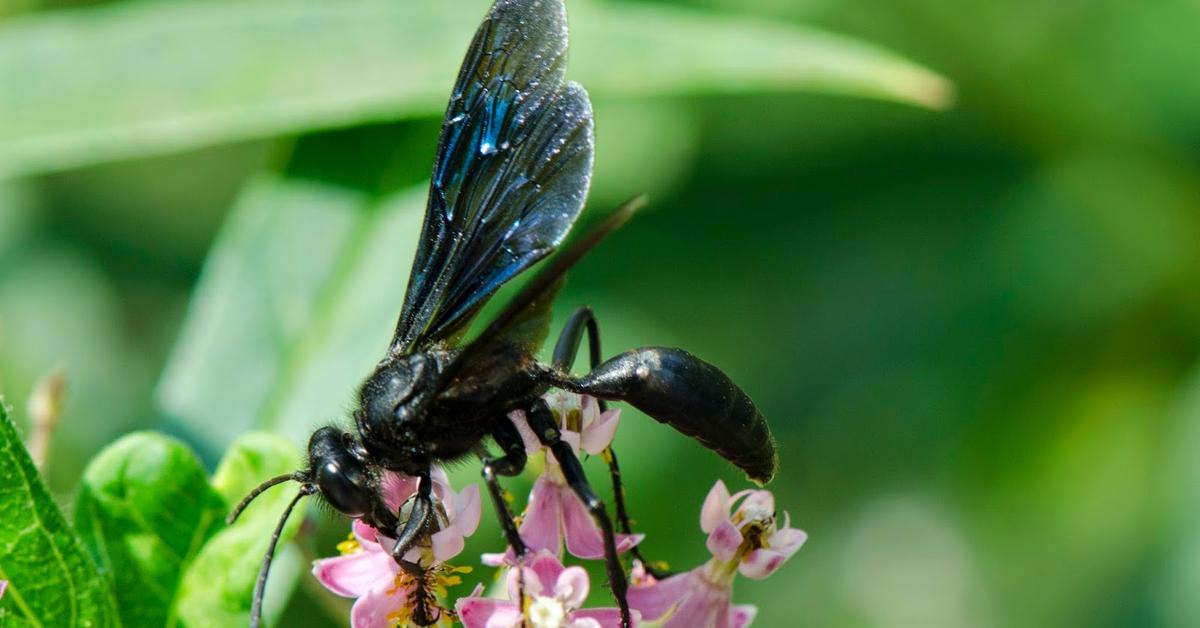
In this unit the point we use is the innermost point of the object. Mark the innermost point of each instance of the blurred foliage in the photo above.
(50, 576)
(144, 509)
(974, 331)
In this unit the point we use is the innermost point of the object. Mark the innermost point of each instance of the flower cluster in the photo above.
(554, 513)
(385, 594)
(745, 536)
(552, 598)
(746, 541)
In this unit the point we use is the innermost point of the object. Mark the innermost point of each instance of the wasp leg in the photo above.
(584, 320)
(508, 465)
(543, 424)
(417, 524)
(407, 536)
(567, 347)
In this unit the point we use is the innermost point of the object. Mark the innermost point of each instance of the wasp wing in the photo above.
(512, 170)
(525, 319)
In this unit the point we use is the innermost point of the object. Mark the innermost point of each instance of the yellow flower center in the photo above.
(427, 593)
(349, 546)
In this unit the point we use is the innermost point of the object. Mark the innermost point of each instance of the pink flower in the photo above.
(552, 598)
(554, 512)
(366, 570)
(3, 586)
(746, 541)
(749, 535)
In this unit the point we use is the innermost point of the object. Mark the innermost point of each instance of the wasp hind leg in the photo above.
(547, 430)
(582, 321)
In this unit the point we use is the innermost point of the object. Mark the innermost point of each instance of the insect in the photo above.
(510, 178)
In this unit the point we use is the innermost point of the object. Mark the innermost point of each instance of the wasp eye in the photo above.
(344, 488)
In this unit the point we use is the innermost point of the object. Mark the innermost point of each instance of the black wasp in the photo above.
(512, 171)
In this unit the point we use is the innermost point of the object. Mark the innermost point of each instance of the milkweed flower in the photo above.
(385, 594)
(552, 597)
(3, 586)
(555, 513)
(746, 541)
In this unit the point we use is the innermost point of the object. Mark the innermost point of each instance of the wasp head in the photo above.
(339, 467)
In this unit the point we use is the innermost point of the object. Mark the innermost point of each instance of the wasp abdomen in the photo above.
(693, 396)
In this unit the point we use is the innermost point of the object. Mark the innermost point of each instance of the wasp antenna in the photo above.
(260, 585)
(258, 490)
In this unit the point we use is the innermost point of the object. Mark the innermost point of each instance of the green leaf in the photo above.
(51, 579)
(297, 300)
(217, 586)
(144, 510)
(77, 87)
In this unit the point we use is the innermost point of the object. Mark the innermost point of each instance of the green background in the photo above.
(973, 330)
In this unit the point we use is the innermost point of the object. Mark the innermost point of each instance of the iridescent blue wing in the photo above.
(512, 170)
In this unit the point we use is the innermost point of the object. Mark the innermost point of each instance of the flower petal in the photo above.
(653, 601)
(498, 559)
(354, 575)
(372, 609)
(599, 435)
(572, 439)
(758, 504)
(466, 510)
(523, 580)
(626, 542)
(464, 519)
(540, 529)
(368, 537)
(604, 618)
(482, 612)
(547, 569)
(532, 444)
(724, 541)
(397, 488)
(716, 507)
(589, 409)
(761, 563)
(447, 543)
(639, 577)
(787, 540)
(572, 587)
(742, 616)
(441, 483)
(583, 535)
(582, 622)
(706, 605)
(584, 538)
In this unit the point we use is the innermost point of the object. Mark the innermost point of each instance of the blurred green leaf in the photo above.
(51, 579)
(58, 310)
(80, 87)
(144, 510)
(297, 301)
(217, 586)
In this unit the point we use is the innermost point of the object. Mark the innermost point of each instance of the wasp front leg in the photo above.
(408, 535)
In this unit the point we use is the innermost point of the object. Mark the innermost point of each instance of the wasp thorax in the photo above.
(398, 391)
